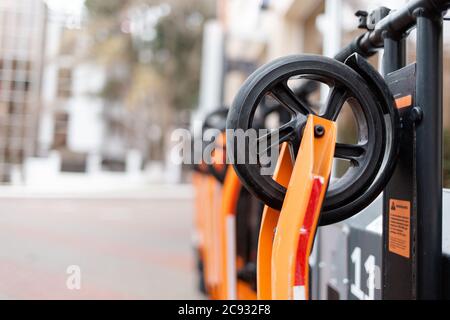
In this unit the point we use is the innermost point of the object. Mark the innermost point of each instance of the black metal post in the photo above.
(394, 54)
(429, 155)
(398, 274)
(412, 208)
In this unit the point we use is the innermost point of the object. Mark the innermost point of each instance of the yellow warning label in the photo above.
(399, 227)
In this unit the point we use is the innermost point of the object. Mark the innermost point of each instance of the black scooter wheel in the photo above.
(365, 156)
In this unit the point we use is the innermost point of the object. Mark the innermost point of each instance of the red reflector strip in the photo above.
(306, 232)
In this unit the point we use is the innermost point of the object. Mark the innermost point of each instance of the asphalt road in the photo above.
(96, 248)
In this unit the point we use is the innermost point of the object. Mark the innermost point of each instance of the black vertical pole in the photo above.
(394, 54)
(398, 276)
(429, 155)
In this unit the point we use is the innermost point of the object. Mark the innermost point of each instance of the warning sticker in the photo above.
(399, 227)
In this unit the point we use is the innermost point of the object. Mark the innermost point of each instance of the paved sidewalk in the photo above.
(126, 248)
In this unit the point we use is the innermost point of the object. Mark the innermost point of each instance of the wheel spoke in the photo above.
(335, 102)
(276, 137)
(352, 152)
(287, 97)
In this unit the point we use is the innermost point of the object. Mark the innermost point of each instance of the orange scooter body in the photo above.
(230, 195)
(216, 207)
(199, 219)
(232, 288)
(206, 198)
(269, 223)
(286, 237)
(201, 187)
(229, 288)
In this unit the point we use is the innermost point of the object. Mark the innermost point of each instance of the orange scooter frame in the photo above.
(232, 288)
(208, 195)
(286, 237)
(229, 288)
(216, 224)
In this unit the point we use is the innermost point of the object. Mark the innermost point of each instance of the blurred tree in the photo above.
(148, 41)
(151, 51)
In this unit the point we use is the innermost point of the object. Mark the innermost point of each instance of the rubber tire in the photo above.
(251, 92)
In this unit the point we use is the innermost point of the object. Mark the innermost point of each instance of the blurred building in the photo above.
(81, 131)
(272, 29)
(71, 125)
(53, 118)
(254, 32)
(22, 34)
(259, 31)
